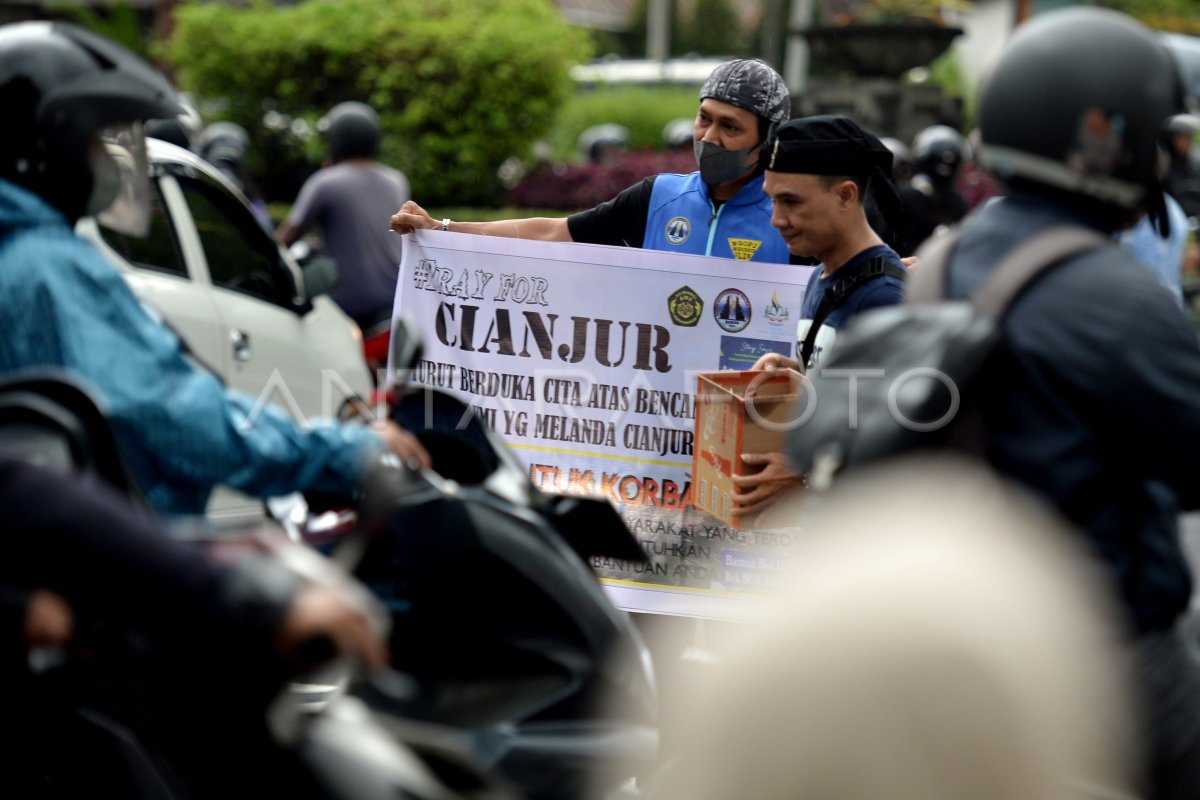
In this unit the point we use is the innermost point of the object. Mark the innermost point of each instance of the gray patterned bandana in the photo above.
(751, 85)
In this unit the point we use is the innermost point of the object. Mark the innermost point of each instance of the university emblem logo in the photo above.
(685, 307)
(732, 310)
(678, 230)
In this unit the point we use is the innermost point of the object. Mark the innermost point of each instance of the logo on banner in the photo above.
(744, 249)
(776, 314)
(678, 230)
(732, 310)
(685, 307)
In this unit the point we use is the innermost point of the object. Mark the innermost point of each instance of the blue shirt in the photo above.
(180, 430)
(883, 291)
(1163, 257)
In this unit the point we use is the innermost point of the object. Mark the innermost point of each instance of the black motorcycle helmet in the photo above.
(939, 151)
(351, 130)
(60, 86)
(223, 142)
(1074, 108)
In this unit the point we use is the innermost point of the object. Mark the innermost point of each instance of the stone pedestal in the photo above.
(884, 106)
(859, 72)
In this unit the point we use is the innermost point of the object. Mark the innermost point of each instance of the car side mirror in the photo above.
(321, 276)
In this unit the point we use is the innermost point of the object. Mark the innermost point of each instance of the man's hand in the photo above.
(324, 612)
(48, 620)
(775, 361)
(756, 492)
(412, 217)
(403, 444)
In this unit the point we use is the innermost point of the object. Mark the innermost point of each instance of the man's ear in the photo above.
(847, 192)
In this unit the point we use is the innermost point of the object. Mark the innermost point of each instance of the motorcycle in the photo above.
(133, 716)
(495, 614)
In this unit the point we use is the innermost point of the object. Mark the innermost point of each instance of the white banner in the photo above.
(584, 358)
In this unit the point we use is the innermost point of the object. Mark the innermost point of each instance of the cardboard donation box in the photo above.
(727, 427)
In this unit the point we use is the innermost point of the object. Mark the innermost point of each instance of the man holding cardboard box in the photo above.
(818, 173)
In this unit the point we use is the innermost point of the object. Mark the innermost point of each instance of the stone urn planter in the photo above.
(885, 50)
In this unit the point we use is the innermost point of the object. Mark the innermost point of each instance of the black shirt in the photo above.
(1092, 401)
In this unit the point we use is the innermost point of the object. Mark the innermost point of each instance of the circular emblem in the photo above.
(678, 230)
(732, 310)
(685, 307)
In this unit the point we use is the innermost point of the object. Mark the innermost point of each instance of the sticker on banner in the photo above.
(744, 249)
(685, 307)
(740, 353)
(776, 314)
(732, 310)
(678, 230)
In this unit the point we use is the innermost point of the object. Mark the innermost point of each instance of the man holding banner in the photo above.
(818, 172)
(719, 210)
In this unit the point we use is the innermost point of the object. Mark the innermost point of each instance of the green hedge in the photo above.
(459, 86)
(644, 110)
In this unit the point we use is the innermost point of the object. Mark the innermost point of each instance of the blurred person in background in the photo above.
(719, 210)
(604, 144)
(930, 200)
(1182, 180)
(70, 96)
(1163, 256)
(224, 145)
(85, 571)
(341, 202)
(924, 645)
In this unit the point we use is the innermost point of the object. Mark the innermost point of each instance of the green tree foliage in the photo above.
(459, 86)
(1179, 16)
(644, 110)
(118, 21)
(711, 28)
(700, 27)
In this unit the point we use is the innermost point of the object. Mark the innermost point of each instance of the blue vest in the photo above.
(681, 220)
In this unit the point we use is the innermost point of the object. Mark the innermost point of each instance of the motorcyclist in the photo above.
(1182, 180)
(72, 99)
(930, 199)
(1096, 362)
(83, 566)
(341, 202)
(224, 145)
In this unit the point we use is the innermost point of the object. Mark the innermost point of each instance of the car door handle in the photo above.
(240, 341)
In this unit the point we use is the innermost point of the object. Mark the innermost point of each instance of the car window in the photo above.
(159, 250)
(241, 255)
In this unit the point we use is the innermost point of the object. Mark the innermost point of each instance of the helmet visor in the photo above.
(121, 188)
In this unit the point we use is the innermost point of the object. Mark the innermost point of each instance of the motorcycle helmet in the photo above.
(902, 163)
(1183, 123)
(939, 151)
(351, 130)
(65, 90)
(179, 130)
(679, 133)
(1074, 108)
(600, 143)
(223, 143)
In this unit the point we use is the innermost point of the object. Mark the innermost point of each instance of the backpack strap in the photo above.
(1018, 268)
(929, 277)
(838, 292)
(1031, 258)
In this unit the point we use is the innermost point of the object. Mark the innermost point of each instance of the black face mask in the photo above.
(718, 165)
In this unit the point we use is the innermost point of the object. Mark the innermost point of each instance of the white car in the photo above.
(242, 305)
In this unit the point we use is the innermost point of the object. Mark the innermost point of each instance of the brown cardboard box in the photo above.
(725, 429)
